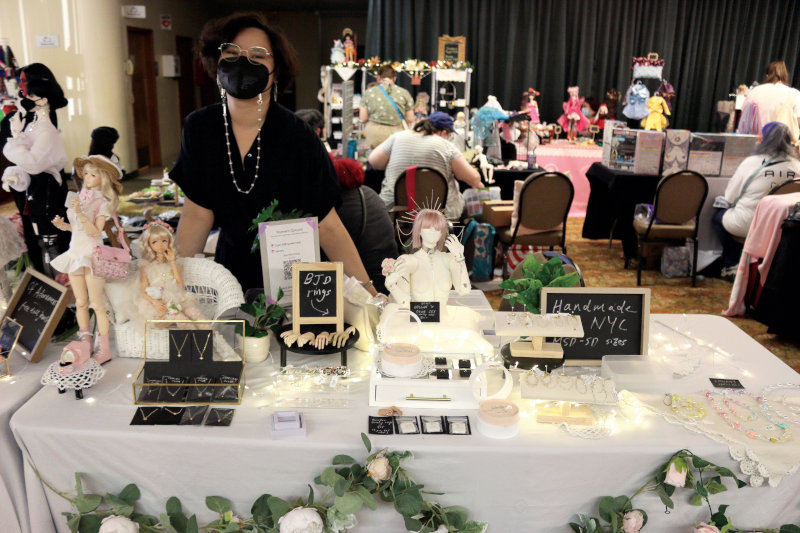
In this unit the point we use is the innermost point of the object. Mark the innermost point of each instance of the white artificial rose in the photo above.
(118, 524)
(301, 520)
(676, 473)
(379, 468)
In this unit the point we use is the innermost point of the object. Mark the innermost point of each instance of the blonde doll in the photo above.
(164, 296)
(87, 213)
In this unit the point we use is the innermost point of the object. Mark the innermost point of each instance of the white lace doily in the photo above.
(90, 374)
(596, 430)
(425, 369)
(758, 460)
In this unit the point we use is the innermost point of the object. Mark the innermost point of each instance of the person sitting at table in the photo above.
(313, 118)
(238, 155)
(426, 146)
(773, 162)
(366, 219)
(596, 114)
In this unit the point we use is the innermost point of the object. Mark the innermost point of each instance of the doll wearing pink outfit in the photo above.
(573, 121)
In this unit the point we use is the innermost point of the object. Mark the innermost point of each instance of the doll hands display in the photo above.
(454, 247)
(322, 340)
(340, 339)
(305, 338)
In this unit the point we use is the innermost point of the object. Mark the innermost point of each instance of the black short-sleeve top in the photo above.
(294, 168)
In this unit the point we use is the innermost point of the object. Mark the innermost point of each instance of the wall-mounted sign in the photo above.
(134, 12)
(166, 22)
(47, 41)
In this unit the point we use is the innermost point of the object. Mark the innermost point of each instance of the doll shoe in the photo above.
(103, 354)
(76, 353)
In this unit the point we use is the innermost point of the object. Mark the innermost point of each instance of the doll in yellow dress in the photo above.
(656, 119)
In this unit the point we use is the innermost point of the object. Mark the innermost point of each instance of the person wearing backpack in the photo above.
(773, 162)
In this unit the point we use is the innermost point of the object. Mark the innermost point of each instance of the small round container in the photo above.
(401, 360)
(498, 419)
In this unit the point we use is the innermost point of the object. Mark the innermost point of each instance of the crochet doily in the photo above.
(90, 374)
(425, 370)
(771, 468)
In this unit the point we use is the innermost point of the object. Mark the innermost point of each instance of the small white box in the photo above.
(636, 373)
(287, 425)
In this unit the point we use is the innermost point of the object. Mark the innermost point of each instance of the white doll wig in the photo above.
(429, 218)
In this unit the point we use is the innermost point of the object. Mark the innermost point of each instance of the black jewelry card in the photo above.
(381, 425)
(175, 392)
(219, 417)
(426, 311)
(202, 345)
(458, 425)
(193, 416)
(229, 393)
(150, 394)
(180, 345)
(720, 383)
(201, 389)
(145, 416)
(170, 416)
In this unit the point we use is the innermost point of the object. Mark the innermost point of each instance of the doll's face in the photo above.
(430, 237)
(91, 177)
(158, 243)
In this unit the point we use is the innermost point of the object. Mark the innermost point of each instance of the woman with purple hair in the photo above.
(773, 162)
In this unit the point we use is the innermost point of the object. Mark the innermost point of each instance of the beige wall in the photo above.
(89, 62)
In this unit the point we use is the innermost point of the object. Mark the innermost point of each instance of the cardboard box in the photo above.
(647, 157)
(498, 213)
(676, 151)
(737, 148)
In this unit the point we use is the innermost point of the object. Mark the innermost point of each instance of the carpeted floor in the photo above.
(603, 267)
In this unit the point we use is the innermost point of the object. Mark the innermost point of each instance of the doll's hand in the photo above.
(76, 205)
(161, 307)
(16, 124)
(322, 340)
(170, 255)
(289, 337)
(307, 337)
(59, 223)
(454, 247)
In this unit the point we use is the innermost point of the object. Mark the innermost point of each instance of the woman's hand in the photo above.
(454, 247)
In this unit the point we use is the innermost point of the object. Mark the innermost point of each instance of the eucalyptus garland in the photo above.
(349, 486)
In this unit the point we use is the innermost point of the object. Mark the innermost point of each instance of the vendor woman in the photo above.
(239, 155)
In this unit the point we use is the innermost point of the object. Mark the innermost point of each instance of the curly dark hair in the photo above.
(225, 29)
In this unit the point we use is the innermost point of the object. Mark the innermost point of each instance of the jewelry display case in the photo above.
(204, 365)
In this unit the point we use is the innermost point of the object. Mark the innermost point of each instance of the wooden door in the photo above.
(145, 101)
(186, 98)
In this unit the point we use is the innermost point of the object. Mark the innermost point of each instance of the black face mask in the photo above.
(27, 104)
(242, 79)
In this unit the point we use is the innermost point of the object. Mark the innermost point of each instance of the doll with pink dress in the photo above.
(530, 105)
(573, 120)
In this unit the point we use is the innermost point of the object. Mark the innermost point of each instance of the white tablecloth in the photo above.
(15, 391)
(534, 482)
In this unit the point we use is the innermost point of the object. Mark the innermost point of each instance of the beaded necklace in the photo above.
(685, 407)
(765, 404)
(228, 144)
(750, 432)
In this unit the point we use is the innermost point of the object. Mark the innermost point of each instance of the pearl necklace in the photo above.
(228, 144)
(766, 404)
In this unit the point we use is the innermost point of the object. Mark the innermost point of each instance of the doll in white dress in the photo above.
(163, 295)
(429, 273)
(87, 213)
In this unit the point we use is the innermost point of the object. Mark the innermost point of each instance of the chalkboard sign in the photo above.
(317, 295)
(426, 311)
(452, 48)
(37, 305)
(615, 321)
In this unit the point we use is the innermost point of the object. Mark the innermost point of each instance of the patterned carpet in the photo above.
(603, 267)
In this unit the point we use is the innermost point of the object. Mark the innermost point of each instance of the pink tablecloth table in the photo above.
(574, 159)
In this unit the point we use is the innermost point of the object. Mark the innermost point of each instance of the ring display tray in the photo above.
(537, 328)
(443, 383)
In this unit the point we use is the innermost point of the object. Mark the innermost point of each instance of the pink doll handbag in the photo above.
(111, 262)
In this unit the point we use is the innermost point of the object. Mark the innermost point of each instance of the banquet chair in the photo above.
(430, 191)
(786, 187)
(676, 210)
(544, 203)
(569, 267)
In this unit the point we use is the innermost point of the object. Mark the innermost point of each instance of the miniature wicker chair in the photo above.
(216, 291)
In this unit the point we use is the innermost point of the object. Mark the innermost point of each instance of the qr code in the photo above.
(287, 269)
